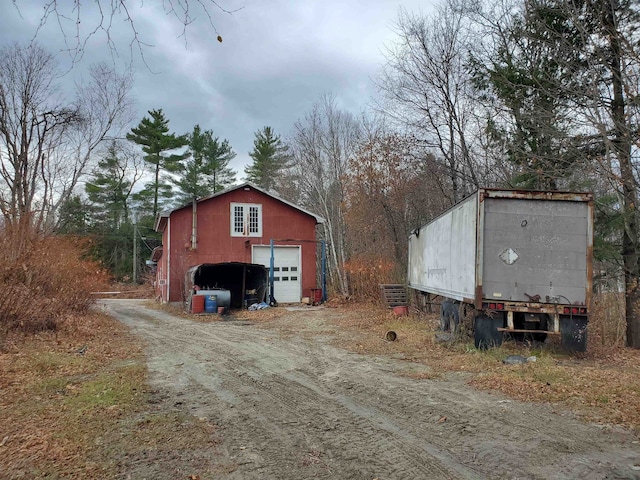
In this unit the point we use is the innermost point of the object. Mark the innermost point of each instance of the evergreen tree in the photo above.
(152, 133)
(270, 156)
(110, 187)
(74, 216)
(109, 194)
(532, 74)
(206, 169)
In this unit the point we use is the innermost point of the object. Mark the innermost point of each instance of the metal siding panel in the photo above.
(442, 256)
(550, 239)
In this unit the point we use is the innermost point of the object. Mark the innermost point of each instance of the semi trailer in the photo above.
(510, 262)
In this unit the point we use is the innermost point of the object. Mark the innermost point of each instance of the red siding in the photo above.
(215, 243)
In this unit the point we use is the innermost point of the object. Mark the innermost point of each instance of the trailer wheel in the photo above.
(485, 331)
(573, 331)
(449, 317)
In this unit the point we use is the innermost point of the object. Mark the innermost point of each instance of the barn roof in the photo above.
(160, 224)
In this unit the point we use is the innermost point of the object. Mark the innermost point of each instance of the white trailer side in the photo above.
(442, 253)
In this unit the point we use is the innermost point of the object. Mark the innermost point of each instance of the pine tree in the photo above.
(532, 74)
(152, 133)
(74, 216)
(109, 194)
(270, 156)
(109, 189)
(206, 169)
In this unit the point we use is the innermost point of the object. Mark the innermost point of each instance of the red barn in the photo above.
(223, 241)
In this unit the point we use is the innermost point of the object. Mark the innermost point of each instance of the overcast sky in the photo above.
(276, 59)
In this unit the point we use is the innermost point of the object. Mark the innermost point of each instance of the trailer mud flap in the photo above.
(574, 333)
(485, 331)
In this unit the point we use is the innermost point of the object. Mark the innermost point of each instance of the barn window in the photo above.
(246, 220)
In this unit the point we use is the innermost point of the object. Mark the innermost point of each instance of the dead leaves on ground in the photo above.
(602, 385)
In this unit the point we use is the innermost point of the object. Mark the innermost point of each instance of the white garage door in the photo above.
(287, 274)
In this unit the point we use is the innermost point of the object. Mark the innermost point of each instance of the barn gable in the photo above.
(237, 226)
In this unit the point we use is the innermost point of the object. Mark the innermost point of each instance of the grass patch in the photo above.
(67, 415)
(57, 404)
(118, 389)
(602, 385)
(156, 430)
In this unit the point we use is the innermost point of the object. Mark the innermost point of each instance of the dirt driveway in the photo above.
(292, 406)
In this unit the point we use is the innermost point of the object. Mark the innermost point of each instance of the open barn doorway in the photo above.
(247, 282)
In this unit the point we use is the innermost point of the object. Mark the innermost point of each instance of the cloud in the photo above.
(276, 59)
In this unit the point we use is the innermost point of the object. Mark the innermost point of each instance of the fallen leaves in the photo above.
(602, 385)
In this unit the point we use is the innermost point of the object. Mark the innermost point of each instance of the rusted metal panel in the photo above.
(589, 286)
(535, 195)
(550, 309)
(477, 302)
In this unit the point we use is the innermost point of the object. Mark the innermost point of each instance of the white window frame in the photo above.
(246, 209)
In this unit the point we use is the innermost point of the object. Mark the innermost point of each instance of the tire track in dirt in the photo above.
(294, 408)
(293, 396)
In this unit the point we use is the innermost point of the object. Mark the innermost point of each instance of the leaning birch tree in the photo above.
(322, 144)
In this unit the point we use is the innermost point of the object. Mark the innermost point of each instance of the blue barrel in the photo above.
(211, 304)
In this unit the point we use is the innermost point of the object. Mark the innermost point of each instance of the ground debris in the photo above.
(443, 337)
(518, 360)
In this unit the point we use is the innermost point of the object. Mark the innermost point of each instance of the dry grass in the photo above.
(607, 323)
(42, 280)
(602, 385)
(70, 415)
(56, 402)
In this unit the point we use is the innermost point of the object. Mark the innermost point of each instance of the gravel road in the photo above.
(292, 406)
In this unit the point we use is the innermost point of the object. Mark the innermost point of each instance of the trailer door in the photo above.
(535, 249)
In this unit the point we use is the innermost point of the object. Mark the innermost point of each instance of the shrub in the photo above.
(43, 279)
(366, 274)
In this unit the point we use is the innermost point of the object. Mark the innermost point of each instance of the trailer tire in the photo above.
(573, 331)
(449, 317)
(485, 332)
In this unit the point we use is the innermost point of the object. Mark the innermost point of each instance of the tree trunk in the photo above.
(622, 149)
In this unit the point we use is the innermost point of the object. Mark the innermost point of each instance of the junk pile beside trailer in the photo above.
(513, 261)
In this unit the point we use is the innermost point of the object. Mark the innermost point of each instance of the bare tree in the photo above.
(46, 142)
(78, 23)
(427, 87)
(390, 192)
(323, 142)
